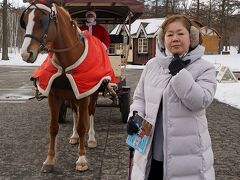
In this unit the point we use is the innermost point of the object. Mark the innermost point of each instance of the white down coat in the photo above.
(187, 145)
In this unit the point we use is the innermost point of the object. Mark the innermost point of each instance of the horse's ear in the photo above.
(28, 1)
(58, 2)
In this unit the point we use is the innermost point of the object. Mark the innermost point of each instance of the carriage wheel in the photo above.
(125, 104)
(62, 113)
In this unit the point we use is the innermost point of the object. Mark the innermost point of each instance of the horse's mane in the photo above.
(66, 13)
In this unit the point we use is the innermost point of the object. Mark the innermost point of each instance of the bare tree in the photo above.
(166, 7)
(156, 8)
(209, 13)
(222, 24)
(198, 8)
(4, 32)
(13, 19)
(227, 27)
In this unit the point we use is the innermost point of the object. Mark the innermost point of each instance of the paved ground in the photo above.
(24, 136)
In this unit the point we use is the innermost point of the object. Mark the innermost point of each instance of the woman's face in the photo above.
(177, 38)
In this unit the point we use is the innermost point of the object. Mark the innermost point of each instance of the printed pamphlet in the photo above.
(140, 140)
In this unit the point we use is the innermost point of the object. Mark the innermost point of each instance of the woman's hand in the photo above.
(132, 128)
(177, 64)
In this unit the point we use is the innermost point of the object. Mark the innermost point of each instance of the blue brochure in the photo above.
(140, 140)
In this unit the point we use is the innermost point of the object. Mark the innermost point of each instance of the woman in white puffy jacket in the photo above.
(173, 93)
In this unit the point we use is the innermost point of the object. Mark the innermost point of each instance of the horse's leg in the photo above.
(92, 143)
(82, 126)
(74, 139)
(54, 105)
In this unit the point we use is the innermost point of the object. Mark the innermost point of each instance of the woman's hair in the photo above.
(177, 17)
(195, 35)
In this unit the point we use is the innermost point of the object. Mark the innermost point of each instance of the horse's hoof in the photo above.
(92, 144)
(46, 168)
(74, 141)
(82, 166)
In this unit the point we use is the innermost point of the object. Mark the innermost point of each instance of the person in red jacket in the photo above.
(95, 29)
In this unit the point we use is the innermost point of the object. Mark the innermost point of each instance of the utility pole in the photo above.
(5, 31)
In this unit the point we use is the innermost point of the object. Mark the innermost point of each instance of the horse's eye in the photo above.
(44, 22)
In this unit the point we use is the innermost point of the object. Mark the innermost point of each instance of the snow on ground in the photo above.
(232, 60)
(226, 92)
(16, 60)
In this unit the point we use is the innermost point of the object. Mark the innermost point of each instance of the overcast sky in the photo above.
(17, 2)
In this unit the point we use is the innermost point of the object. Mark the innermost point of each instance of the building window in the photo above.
(115, 49)
(142, 46)
(118, 48)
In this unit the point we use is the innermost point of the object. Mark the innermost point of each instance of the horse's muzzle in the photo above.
(29, 57)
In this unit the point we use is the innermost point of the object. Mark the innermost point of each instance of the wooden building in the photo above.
(144, 34)
(211, 40)
(143, 39)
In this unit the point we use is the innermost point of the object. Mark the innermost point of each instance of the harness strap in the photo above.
(62, 50)
(80, 39)
(38, 95)
(40, 40)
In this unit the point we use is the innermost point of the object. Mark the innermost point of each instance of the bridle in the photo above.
(46, 21)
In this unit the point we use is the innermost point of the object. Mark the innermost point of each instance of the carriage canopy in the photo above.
(108, 11)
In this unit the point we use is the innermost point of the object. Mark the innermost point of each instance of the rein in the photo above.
(61, 50)
(39, 96)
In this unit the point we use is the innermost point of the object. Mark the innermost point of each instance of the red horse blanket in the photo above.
(85, 76)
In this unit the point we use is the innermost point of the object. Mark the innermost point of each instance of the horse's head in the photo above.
(39, 21)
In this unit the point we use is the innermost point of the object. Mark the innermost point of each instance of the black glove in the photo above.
(132, 128)
(177, 64)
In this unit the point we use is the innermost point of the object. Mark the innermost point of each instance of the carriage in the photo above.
(110, 13)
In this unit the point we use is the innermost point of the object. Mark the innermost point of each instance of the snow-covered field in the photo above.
(226, 92)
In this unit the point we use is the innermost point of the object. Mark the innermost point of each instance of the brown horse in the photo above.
(50, 27)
